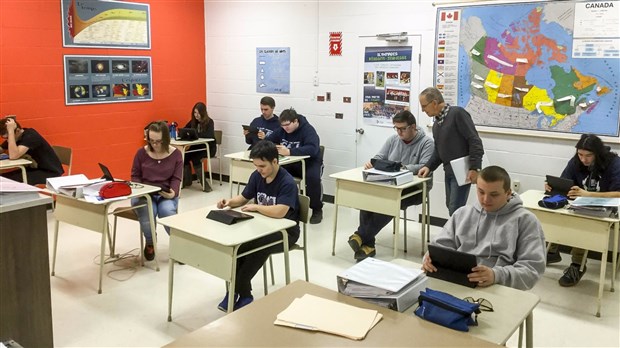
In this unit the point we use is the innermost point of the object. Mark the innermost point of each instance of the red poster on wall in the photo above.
(335, 43)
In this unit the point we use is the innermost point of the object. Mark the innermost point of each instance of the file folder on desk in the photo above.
(383, 283)
(391, 178)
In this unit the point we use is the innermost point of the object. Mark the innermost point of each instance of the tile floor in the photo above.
(132, 310)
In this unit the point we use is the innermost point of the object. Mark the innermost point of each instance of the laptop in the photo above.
(452, 266)
(559, 186)
(228, 216)
(188, 134)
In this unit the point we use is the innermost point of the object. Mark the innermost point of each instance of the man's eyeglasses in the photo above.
(401, 129)
(155, 142)
(425, 105)
(485, 305)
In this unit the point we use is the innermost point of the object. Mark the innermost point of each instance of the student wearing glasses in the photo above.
(455, 137)
(205, 127)
(595, 172)
(506, 238)
(20, 142)
(297, 137)
(409, 146)
(157, 164)
(274, 194)
(266, 123)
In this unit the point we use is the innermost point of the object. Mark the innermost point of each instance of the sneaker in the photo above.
(364, 252)
(223, 306)
(572, 275)
(355, 242)
(553, 257)
(317, 217)
(149, 252)
(242, 302)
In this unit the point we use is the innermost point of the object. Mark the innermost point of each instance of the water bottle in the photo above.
(173, 130)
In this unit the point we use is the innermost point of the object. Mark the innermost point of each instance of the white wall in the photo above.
(235, 29)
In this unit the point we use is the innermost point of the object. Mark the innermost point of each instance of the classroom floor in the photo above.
(132, 310)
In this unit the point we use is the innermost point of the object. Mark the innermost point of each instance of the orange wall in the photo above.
(32, 81)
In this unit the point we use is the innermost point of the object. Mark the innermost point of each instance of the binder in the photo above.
(390, 178)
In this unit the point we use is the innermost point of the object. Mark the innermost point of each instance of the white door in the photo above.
(370, 138)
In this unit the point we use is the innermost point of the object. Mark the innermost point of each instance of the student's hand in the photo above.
(168, 195)
(427, 265)
(283, 150)
(11, 126)
(367, 165)
(547, 187)
(472, 176)
(423, 172)
(482, 275)
(246, 132)
(261, 135)
(222, 204)
(577, 191)
(250, 207)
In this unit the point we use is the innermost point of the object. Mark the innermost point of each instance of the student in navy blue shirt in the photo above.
(297, 137)
(275, 195)
(266, 123)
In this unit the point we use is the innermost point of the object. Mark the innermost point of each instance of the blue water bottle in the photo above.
(173, 130)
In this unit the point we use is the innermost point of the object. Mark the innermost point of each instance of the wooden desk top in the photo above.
(195, 222)
(8, 163)
(253, 326)
(356, 175)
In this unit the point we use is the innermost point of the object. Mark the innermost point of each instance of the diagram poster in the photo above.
(106, 79)
(273, 70)
(387, 83)
(96, 23)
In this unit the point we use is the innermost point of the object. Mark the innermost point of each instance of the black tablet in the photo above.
(250, 129)
(559, 186)
(228, 216)
(452, 266)
(188, 134)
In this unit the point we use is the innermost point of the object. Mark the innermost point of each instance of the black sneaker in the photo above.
(572, 275)
(553, 257)
(364, 252)
(149, 252)
(317, 217)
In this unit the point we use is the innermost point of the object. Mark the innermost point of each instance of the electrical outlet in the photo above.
(516, 185)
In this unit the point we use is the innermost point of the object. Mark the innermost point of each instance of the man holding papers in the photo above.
(595, 172)
(506, 238)
(274, 193)
(455, 137)
(409, 146)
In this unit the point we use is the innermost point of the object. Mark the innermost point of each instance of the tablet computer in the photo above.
(250, 129)
(106, 172)
(559, 186)
(452, 266)
(228, 216)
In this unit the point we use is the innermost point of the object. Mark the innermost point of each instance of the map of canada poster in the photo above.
(94, 23)
(533, 68)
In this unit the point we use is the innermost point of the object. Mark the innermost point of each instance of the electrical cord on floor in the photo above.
(121, 261)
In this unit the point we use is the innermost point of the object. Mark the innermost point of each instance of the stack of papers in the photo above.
(595, 206)
(319, 314)
(377, 277)
(13, 191)
(72, 185)
(394, 178)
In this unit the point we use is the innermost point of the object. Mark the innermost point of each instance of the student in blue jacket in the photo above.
(595, 171)
(297, 137)
(266, 123)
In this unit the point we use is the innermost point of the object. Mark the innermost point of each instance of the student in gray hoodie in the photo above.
(412, 148)
(506, 238)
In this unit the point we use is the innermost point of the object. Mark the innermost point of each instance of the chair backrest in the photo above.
(65, 154)
(304, 207)
(321, 152)
(218, 137)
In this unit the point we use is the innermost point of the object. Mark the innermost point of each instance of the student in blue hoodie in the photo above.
(297, 137)
(265, 124)
(506, 238)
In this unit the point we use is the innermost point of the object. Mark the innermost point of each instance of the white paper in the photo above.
(595, 202)
(382, 274)
(8, 185)
(460, 167)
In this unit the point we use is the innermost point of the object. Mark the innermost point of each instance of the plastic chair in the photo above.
(304, 207)
(65, 154)
(218, 156)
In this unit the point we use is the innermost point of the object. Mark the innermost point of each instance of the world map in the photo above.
(520, 66)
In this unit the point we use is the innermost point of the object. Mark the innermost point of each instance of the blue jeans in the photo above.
(162, 207)
(456, 196)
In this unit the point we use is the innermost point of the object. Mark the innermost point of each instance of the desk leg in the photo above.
(529, 330)
(614, 257)
(601, 282)
(104, 234)
(425, 223)
(170, 286)
(230, 176)
(303, 177)
(287, 270)
(24, 176)
(149, 205)
(396, 230)
(55, 247)
(210, 171)
(233, 280)
(335, 220)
